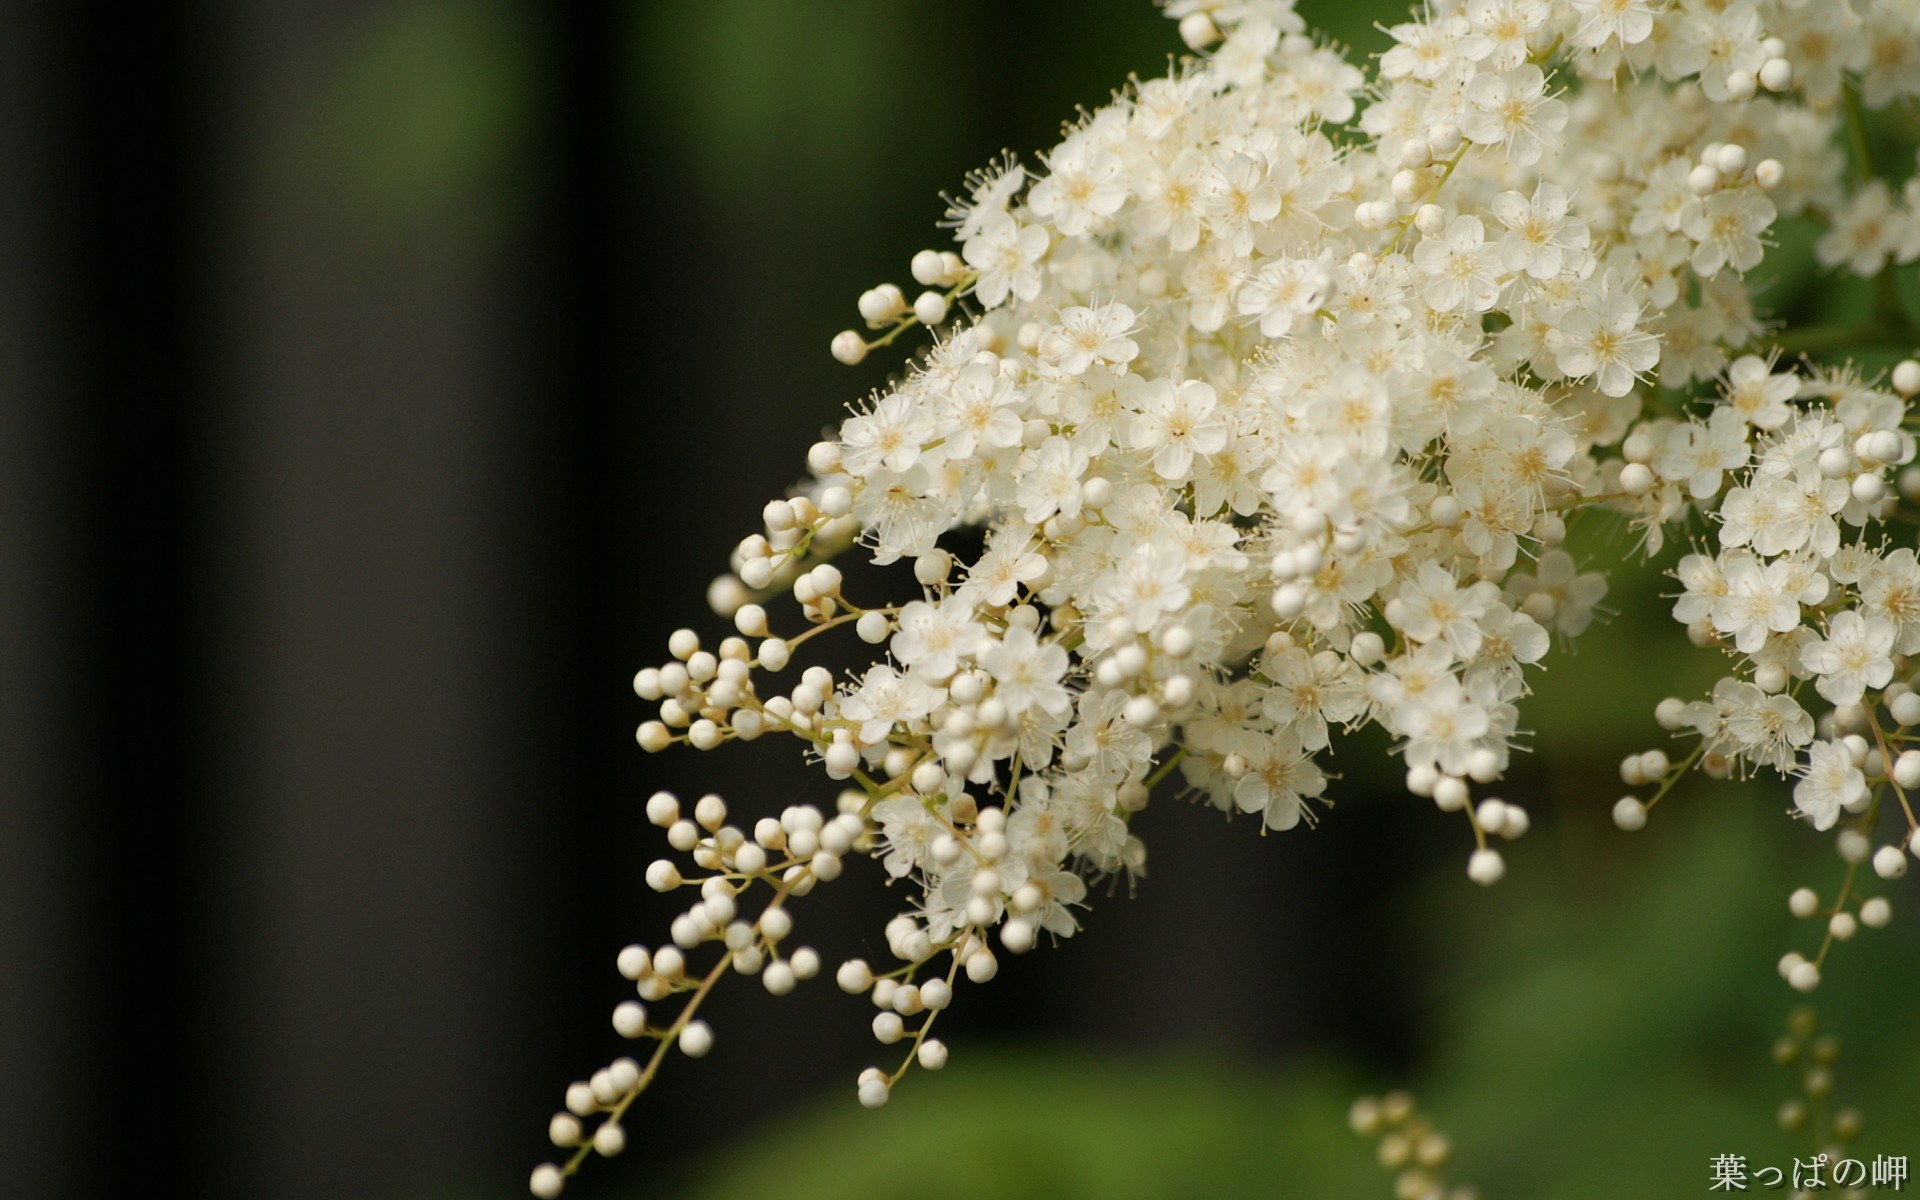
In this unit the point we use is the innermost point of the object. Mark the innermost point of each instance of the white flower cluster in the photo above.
(1257, 416)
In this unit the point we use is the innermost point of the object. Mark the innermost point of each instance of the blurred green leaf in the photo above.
(431, 118)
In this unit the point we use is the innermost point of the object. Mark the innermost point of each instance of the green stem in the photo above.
(1857, 133)
(1166, 768)
(1885, 330)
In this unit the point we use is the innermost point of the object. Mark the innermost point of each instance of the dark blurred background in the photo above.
(382, 380)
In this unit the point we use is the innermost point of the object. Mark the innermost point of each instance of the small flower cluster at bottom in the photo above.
(1410, 1147)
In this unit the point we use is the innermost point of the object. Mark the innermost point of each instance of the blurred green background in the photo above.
(394, 374)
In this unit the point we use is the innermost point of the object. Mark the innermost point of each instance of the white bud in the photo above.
(696, 1039)
(1769, 173)
(662, 875)
(982, 965)
(1490, 814)
(1485, 867)
(1889, 862)
(778, 978)
(1853, 846)
(928, 269)
(1198, 31)
(1630, 814)
(882, 304)
(932, 1054)
(1803, 902)
(930, 308)
(849, 347)
(662, 809)
(872, 628)
(1906, 769)
(564, 1129)
(1372, 215)
(630, 1018)
(609, 1140)
(853, 976)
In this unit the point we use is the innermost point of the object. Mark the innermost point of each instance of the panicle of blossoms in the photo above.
(1811, 1056)
(1409, 1145)
(1270, 390)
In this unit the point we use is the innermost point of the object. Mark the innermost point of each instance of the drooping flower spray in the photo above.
(1273, 388)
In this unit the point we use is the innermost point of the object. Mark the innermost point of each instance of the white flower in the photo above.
(1890, 591)
(1433, 607)
(888, 437)
(1758, 395)
(1284, 292)
(1628, 20)
(1084, 183)
(1829, 782)
(1423, 50)
(1512, 108)
(1086, 336)
(1500, 29)
(1240, 196)
(983, 411)
(1280, 775)
(1462, 270)
(1761, 598)
(1727, 227)
(1601, 339)
(934, 639)
(1027, 672)
(1867, 232)
(1716, 44)
(997, 576)
(1540, 240)
(1309, 691)
(1050, 480)
(1443, 727)
(1699, 455)
(1174, 421)
(886, 698)
(1149, 583)
(1007, 255)
(1855, 655)
(1112, 749)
